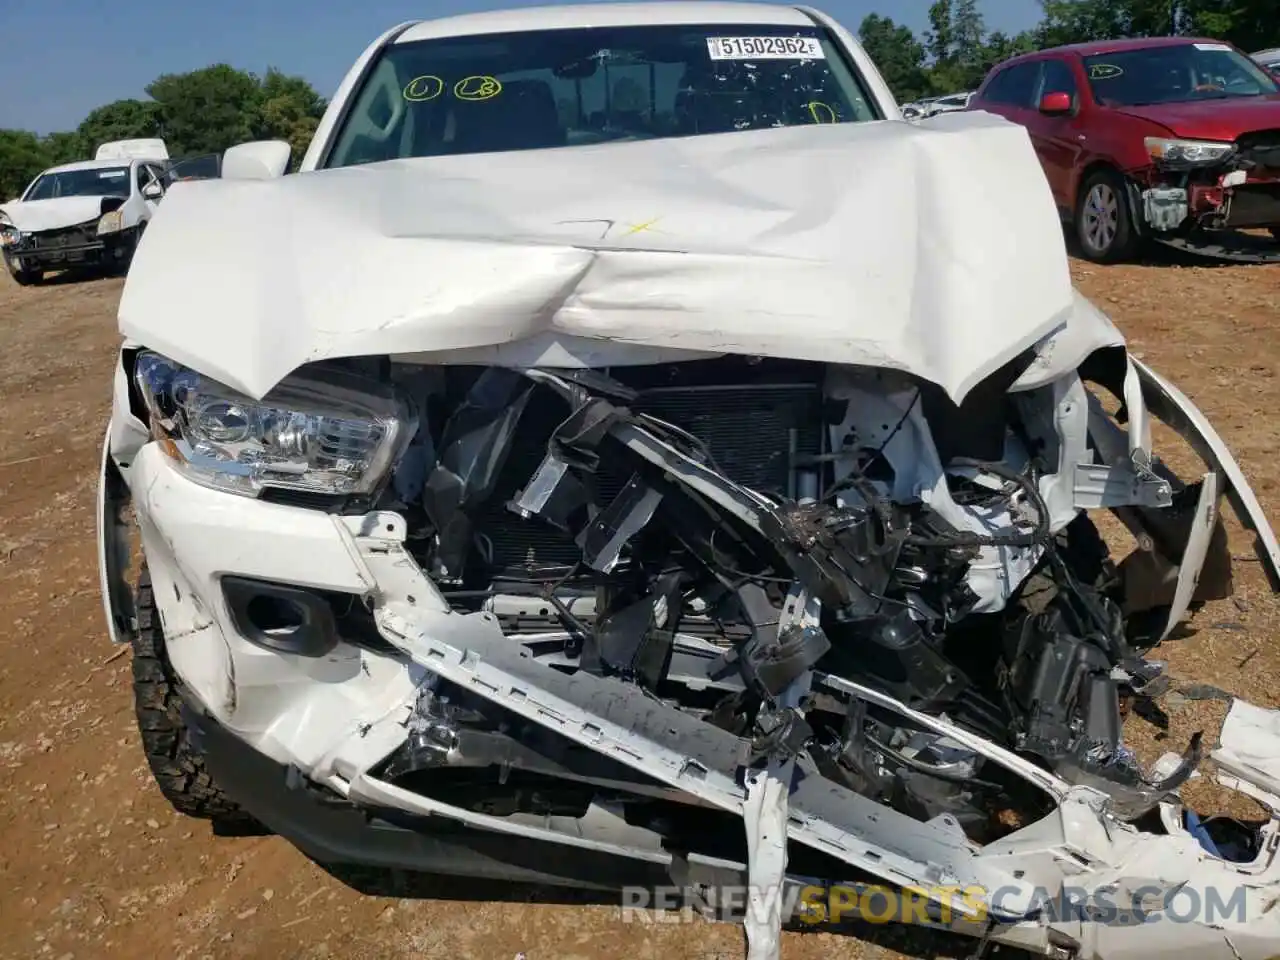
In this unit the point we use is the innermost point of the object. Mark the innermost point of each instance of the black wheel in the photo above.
(176, 763)
(120, 267)
(27, 278)
(1103, 219)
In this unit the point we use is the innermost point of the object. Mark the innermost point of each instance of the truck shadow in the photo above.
(921, 943)
(1229, 250)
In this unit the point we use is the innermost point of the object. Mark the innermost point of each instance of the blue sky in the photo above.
(62, 58)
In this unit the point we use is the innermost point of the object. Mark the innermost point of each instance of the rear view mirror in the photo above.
(153, 191)
(1055, 104)
(259, 160)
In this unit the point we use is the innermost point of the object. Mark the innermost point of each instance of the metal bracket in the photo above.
(1098, 486)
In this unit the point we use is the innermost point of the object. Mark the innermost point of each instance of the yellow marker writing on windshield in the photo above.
(477, 88)
(819, 110)
(423, 88)
(1104, 71)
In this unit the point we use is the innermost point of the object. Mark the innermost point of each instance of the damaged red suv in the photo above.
(1168, 138)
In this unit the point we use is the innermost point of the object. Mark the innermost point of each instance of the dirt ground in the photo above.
(93, 863)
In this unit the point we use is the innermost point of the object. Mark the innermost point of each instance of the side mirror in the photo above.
(153, 191)
(259, 160)
(1055, 104)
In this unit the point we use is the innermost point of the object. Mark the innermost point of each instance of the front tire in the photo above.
(27, 278)
(177, 764)
(1103, 220)
(119, 267)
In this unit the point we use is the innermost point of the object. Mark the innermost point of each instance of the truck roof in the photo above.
(568, 16)
(91, 165)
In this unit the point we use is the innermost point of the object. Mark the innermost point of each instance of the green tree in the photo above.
(897, 54)
(121, 120)
(1000, 47)
(938, 38)
(1080, 21)
(289, 109)
(1251, 25)
(956, 46)
(206, 110)
(64, 147)
(209, 110)
(22, 156)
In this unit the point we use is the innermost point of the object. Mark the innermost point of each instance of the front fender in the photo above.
(113, 548)
(126, 433)
(1173, 407)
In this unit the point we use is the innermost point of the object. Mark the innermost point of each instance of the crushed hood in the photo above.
(54, 214)
(935, 250)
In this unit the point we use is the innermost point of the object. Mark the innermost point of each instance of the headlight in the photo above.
(324, 433)
(1188, 153)
(9, 234)
(111, 222)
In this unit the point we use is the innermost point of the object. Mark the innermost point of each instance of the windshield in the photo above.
(1175, 74)
(101, 182)
(549, 88)
(206, 167)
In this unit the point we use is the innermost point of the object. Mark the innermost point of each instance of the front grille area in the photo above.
(65, 237)
(1260, 150)
(701, 627)
(750, 431)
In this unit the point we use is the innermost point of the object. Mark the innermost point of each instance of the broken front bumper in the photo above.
(1066, 884)
(1228, 200)
(60, 250)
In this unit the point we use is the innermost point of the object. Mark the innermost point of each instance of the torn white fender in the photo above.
(1172, 406)
(1195, 553)
(113, 549)
(1249, 753)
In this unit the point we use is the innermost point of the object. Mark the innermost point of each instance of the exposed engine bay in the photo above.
(753, 541)
(738, 546)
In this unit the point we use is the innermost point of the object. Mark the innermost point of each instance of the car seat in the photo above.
(522, 116)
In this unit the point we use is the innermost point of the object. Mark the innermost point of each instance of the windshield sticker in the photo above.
(420, 89)
(1212, 46)
(477, 88)
(821, 112)
(112, 174)
(1104, 71)
(764, 48)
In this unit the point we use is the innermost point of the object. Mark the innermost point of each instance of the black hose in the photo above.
(1042, 533)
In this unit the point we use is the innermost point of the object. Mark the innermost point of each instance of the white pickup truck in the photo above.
(627, 453)
(90, 213)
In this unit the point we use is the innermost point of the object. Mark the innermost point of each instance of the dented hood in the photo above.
(934, 250)
(53, 214)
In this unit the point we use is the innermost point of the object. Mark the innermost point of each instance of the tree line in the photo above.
(956, 52)
(210, 109)
(204, 111)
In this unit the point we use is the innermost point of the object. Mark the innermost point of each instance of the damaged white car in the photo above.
(627, 453)
(86, 214)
